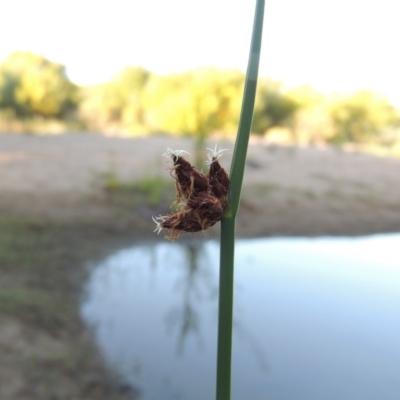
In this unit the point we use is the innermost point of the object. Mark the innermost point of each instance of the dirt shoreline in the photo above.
(71, 198)
(287, 190)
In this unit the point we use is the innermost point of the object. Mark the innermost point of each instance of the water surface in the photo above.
(314, 318)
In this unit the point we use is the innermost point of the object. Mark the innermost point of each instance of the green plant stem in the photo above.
(225, 316)
(246, 117)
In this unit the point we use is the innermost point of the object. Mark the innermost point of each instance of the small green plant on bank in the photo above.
(153, 187)
(28, 249)
(43, 269)
(149, 189)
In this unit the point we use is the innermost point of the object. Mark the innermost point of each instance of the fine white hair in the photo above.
(158, 220)
(172, 153)
(214, 154)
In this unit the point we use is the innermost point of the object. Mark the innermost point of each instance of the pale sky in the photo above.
(340, 45)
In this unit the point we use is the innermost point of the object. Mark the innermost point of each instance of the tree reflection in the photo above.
(196, 286)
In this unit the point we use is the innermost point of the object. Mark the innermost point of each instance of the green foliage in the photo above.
(34, 305)
(33, 250)
(304, 96)
(32, 85)
(35, 94)
(149, 189)
(194, 103)
(311, 122)
(361, 117)
(8, 83)
(153, 187)
(272, 108)
(116, 103)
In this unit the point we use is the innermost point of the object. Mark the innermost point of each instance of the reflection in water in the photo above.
(325, 311)
(196, 286)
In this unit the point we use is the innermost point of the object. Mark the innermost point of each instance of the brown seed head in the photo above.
(189, 178)
(218, 180)
(201, 200)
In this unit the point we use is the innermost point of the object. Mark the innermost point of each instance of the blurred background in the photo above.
(92, 94)
(327, 73)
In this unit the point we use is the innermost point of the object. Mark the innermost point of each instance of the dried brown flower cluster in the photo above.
(201, 200)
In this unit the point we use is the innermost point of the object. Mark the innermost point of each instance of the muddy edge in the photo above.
(50, 226)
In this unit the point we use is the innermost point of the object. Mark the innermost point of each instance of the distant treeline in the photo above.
(198, 102)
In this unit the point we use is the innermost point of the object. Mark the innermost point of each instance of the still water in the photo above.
(314, 318)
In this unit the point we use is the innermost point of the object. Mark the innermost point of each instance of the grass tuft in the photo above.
(150, 190)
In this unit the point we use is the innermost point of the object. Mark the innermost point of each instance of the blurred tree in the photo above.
(117, 103)
(132, 82)
(305, 96)
(272, 108)
(195, 103)
(312, 122)
(8, 85)
(361, 117)
(32, 85)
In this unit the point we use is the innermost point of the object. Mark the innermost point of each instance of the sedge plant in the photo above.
(202, 200)
(228, 222)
